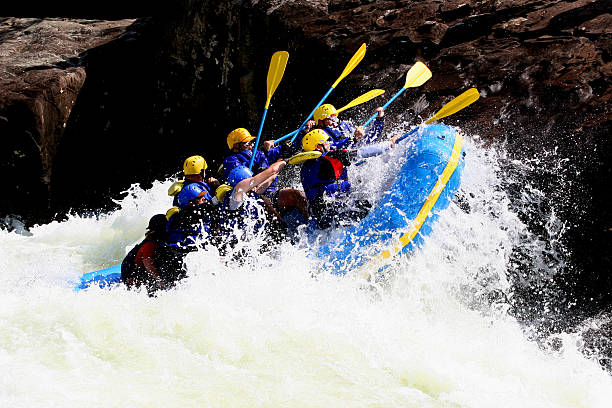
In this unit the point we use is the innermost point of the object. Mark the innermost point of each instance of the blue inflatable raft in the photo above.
(425, 185)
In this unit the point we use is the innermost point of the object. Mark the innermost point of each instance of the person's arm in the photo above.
(338, 144)
(251, 183)
(265, 184)
(273, 153)
(267, 145)
(374, 131)
(261, 162)
(376, 149)
(213, 183)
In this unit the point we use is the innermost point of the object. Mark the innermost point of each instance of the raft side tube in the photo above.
(102, 278)
(395, 214)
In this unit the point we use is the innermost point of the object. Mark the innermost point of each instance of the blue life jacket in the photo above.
(324, 176)
(187, 227)
(243, 159)
(341, 136)
(204, 185)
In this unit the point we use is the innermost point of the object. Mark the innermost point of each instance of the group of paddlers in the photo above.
(248, 201)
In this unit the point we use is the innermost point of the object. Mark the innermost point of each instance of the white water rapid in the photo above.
(268, 334)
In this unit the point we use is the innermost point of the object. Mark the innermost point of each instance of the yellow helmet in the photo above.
(324, 111)
(221, 191)
(194, 165)
(171, 212)
(240, 135)
(313, 138)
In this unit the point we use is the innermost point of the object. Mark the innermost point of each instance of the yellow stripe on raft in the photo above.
(408, 237)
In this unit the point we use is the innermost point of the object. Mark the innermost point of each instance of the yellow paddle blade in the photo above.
(361, 99)
(175, 188)
(275, 72)
(467, 98)
(417, 75)
(302, 157)
(352, 64)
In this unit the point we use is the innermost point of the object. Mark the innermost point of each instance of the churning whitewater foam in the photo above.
(269, 332)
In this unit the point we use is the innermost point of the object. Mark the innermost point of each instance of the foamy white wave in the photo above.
(265, 332)
(62, 250)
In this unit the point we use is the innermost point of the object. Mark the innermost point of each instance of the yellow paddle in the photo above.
(275, 74)
(416, 76)
(303, 156)
(355, 60)
(467, 98)
(361, 99)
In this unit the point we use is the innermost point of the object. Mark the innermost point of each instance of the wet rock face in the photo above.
(40, 81)
(94, 106)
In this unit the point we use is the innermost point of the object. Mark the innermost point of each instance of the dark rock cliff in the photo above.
(120, 102)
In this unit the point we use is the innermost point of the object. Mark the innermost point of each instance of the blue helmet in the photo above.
(190, 192)
(238, 174)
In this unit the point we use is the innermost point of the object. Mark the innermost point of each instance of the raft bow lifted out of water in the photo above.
(425, 185)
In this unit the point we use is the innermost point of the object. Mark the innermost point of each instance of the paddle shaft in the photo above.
(297, 132)
(359, 100)
(399, 139)
(354, 61)
(454, 106)
(401, 91)
(263, 118)
(280, 139)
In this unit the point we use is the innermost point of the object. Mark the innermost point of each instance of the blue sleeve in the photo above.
(274, 154)
(373, 150)
(346, 128)
(296, 146)
(260, 163)
(374, 131)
